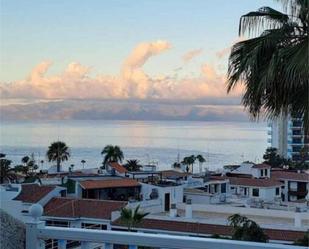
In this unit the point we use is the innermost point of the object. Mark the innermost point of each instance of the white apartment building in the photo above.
(287, 135)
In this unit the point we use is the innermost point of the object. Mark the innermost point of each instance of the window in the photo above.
(277, 191)
(265, 172)
(255, 192)
(223, 188)
(261, 172)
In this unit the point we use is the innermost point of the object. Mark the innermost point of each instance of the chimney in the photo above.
(188, 209)
(173, 210)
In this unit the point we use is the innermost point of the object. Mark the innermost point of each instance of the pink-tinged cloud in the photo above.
(226, 51)
(190, 55)
(132, 82)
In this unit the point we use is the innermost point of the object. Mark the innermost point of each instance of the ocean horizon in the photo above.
(159, 142)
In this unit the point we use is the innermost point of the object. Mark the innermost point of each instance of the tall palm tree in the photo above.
(189, 161)
(112, 154)
(273, 63)
(83, 162)
(133, 165)
(58, 152)
(131, 218)
(200, 160)
(6, 172)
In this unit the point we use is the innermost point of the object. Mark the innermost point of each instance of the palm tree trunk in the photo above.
(58, 165)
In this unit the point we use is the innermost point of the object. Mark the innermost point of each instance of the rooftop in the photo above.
(209, 229)
(110, 183)
(76, 208)
(261, 166)
(118, 167)
(254, 182)
(290, 175)
(173, 173)
(32, 193)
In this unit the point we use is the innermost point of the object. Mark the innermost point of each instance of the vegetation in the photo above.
(112, 154)
(28, 169)
(83, 162)
(132, 217)
(246, 229)
(189, 161)
(6, 172)
(133, 165)
(176, 165)
(273, 63)
(58, 152)
(273, 159)
(303, 241)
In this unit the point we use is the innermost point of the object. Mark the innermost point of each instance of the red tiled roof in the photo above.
(75, 208)
(210, 229)
(261, 166)
(254, 182)
(290, 175)
(114, 183)
(218, 178)
(32, 193)
(118, 167)
(173, 173)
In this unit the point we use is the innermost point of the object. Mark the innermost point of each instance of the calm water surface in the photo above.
(159, 141)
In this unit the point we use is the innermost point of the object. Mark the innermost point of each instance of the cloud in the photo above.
(227, 50)
(187, 57)
(76, 81)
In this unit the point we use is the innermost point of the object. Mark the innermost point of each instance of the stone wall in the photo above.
(12, 232)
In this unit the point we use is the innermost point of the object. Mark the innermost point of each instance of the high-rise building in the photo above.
(287, 135)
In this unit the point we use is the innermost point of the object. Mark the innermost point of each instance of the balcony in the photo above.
(37, 233)
(39, 236)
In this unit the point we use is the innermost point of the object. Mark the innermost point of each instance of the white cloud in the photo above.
(76, 82)
(187, 57)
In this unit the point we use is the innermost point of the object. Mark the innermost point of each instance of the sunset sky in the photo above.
(173, 50)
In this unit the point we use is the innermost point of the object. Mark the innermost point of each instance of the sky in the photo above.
(141, 50)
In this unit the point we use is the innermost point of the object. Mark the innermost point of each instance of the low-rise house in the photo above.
(121, 189)
(295, 184)
(214, 190)
(160, 196)
(115, 168)
(248, 168)
(16, 199)
(263, 189)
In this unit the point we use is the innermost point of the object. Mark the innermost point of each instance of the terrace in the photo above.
(37, 233)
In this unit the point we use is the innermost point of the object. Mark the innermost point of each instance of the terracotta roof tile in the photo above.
(289, 175)
(173, 173)
(210, 229)
(32, 193)
(75, 208)
(261, 166)
(114, 183)
(254, 182)
(118, 167)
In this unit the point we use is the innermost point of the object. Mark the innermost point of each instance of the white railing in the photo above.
(37, 233)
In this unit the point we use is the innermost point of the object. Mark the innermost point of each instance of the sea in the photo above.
(151, 142)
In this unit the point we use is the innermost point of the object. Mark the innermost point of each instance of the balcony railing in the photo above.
(89, 238)
(37, 233)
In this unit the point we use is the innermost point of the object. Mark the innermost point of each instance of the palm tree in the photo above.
(83, 162)
(189, 161)
(176, 165)
(112, 154)
(131, 218)
(133, 165)
(246, 229)
(273, 66)
(200, 160)
(28, 169)
(58, 152)
(6, 172)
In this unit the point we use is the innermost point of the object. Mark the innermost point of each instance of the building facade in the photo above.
(288, 136)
